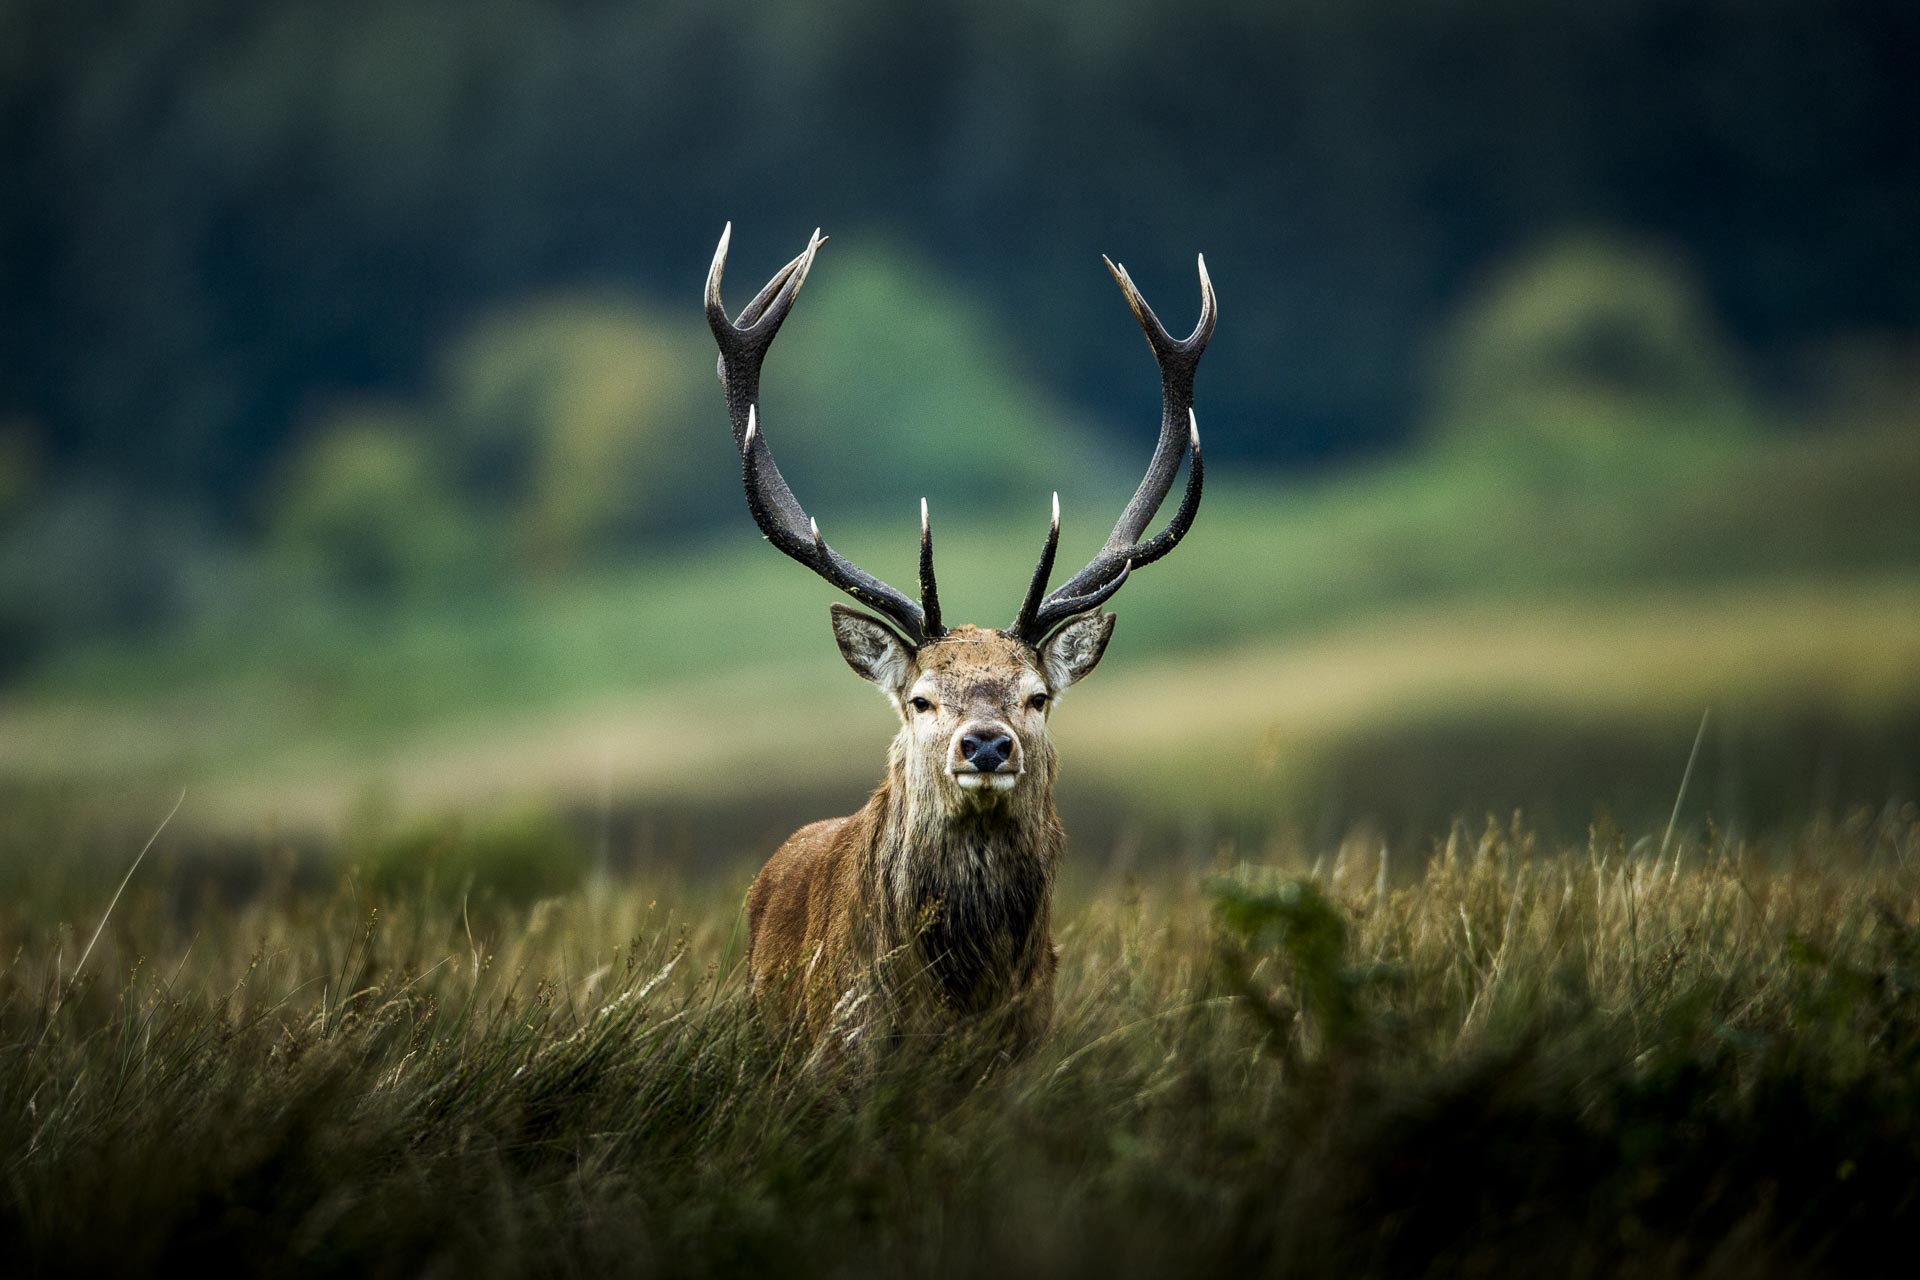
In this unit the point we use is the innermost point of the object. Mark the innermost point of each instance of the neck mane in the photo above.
(967, 886)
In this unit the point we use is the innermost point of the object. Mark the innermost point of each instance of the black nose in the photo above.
(986, 752)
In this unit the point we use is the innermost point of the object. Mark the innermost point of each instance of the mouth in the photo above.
(974, 780)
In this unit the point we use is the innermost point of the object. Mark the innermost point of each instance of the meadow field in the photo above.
(436, 967)
(1649, 1055)
(1491, 837)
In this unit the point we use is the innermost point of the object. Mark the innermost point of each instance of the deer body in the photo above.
(935, 897)
(941, 889)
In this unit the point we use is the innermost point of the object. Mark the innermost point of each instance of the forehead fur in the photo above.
(976, 651)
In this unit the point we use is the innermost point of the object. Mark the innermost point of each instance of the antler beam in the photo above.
(743, 347)
(1124, 551)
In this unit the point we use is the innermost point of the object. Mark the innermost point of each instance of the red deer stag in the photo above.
(935, 896)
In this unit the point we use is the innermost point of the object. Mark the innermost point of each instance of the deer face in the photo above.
(973, 704)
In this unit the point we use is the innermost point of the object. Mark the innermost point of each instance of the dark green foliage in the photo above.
(223, 210)
(1294, 923)
(366, 514)
(518, 857)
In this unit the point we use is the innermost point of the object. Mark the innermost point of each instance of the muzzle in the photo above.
(985, 756)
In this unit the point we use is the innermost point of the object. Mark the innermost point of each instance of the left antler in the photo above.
(743, 346)
(1124, 551)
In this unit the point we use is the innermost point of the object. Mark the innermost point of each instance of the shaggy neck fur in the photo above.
(963, 881)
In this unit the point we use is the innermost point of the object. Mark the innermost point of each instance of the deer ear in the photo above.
(872, 649)
(1075, 649)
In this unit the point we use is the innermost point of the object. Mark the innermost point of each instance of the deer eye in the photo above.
(1038, 702)
(919, 704)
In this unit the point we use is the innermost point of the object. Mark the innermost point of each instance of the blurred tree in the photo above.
(367, 511)
(567, 417)
(1587, 345)
(587, 424)
(218, 212)
(889, 383)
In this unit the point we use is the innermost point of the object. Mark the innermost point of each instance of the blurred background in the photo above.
(362, 464)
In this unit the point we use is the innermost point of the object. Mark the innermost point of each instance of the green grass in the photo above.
(1612, 1058)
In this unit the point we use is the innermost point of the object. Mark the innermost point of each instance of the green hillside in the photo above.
(1299, 626)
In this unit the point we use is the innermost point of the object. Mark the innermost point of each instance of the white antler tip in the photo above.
(923, 515)
(1056, 507)
(719, 266)
(1193, 427)
(814, 526)
(753, 425)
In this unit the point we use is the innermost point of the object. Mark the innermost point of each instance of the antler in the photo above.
(743, 346)
(1124, 551)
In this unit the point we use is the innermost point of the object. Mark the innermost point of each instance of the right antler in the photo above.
(743, 346)
(1124, 551)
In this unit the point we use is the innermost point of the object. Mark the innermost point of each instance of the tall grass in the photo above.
(1595, 1059)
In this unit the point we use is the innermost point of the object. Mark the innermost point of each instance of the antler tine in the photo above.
(929, 590)
(1178, 359)
(743, 343)
(743, 346)
(1030, 607)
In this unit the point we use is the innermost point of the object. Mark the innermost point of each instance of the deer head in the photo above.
(974, 702)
